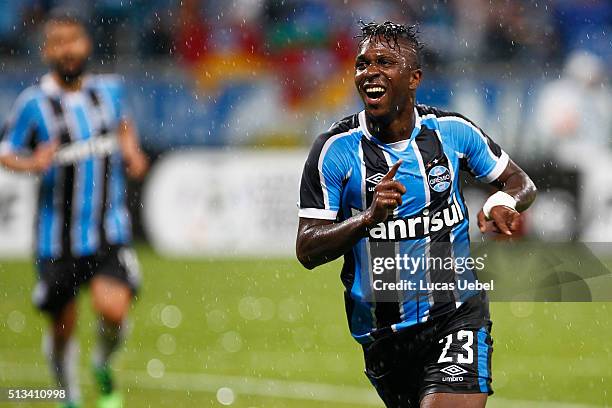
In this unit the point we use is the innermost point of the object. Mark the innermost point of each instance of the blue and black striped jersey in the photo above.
(343, 167)
(82, 197)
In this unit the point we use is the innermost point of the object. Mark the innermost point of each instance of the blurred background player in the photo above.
(72, 128)
(384, 183)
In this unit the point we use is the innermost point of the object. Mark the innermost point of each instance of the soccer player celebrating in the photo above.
(73, 130)
(384, 184)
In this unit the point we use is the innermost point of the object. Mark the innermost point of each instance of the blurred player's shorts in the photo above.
(59, 280)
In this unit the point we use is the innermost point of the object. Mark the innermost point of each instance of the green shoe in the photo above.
(112, 400)
(108, 397)
(104, 379)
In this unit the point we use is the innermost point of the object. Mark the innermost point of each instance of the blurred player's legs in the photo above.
(114, 277)
(61, 350)
(111, 300)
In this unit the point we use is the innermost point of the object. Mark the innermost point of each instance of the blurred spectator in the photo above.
(109, 18)
(518, 31)
(157, 35)
(436, 22)
(573, 112)
(298, 37)
(471, 28)
(454, 30)
(573, 117)
(192, 34)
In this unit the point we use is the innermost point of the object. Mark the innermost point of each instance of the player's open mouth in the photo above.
(374, 91)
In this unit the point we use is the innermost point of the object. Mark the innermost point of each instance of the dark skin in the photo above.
(390, 118)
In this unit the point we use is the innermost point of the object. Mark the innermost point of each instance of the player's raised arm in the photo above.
(320, 241)
(516, 195)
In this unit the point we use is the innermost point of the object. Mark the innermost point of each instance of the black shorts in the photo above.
(451, 354)
(59, 279)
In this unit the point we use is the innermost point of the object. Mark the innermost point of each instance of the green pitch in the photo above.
(267, 333)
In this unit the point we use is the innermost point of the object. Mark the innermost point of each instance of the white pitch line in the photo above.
(272, 388)
(203, 382)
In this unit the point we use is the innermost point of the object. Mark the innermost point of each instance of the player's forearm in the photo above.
(128, 139)
(515, 182)
(136, 161)
(521, 188)
(322, 243)
(19, 163)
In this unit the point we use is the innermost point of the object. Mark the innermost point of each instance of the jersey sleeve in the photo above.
(323, 178)
(23, 127)
(479, 154)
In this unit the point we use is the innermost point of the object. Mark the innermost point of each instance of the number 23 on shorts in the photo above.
(465, 360)
(466, 355)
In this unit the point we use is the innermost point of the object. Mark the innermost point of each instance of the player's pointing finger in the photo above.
(392, 171)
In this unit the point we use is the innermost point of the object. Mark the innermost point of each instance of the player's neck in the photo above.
(73, 85)
(391, 130)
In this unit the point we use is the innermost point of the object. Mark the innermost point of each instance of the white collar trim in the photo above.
(50, 86)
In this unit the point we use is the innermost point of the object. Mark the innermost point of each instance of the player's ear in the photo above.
(415, 78)
(85, 40)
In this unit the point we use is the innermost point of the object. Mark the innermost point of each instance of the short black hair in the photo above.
(66, 15)
(392, 33)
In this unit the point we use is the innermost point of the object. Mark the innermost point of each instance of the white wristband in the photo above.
(499, 198)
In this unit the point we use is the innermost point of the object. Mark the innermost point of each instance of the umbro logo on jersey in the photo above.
(375, 178)
(453, 370)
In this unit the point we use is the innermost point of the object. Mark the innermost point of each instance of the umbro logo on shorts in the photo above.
(453, 370)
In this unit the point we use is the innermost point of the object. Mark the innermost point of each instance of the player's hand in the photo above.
(137, 165)
(43, 155)
(502, 219)
(387, 197)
